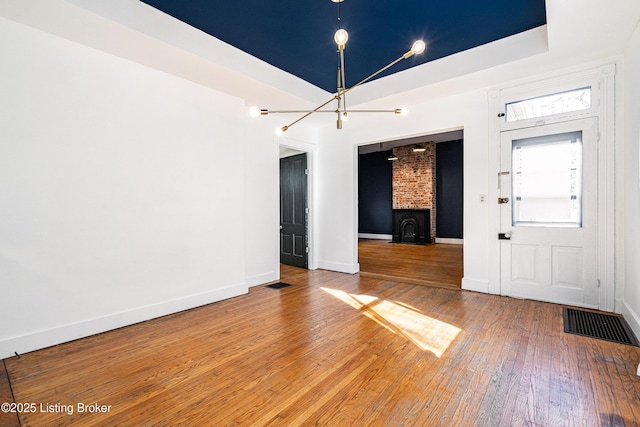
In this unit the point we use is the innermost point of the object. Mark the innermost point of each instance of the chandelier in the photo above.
(341, 37)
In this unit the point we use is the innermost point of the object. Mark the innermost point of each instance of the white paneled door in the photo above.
(548, 213)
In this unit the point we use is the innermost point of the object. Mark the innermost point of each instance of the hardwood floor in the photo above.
(6, 419)
(338, 349)
(434, 265)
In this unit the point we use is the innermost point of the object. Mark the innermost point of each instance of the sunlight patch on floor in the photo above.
(426, 332)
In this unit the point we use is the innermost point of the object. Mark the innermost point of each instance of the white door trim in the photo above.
(602, 80)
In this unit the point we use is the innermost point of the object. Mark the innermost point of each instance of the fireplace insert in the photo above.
(412, 226)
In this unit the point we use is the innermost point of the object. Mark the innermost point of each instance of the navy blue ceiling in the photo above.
(297, 36)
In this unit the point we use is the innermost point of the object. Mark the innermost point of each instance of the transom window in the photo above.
(547, 105)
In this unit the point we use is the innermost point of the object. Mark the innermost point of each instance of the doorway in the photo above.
(403, 178)
(294, 211)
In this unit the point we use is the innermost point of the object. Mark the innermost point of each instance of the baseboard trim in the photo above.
(449, 241)
(375, 236)
(632, 319)
(261, 279)
(70, 332)
(339, 267)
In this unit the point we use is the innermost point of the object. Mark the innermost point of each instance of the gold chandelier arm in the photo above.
(284, 128)
(307, 113)
(395, 110)
(375, 74)
(300, 111)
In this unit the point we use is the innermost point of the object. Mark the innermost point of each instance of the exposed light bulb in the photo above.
(254, 111)
(401, 111)
(281, 130)
(341, 36)
(418, 47)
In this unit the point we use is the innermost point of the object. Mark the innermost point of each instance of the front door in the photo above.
(293, 211)
(548, 213)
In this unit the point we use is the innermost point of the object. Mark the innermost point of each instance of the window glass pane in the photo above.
(563, 102)
(547, 180)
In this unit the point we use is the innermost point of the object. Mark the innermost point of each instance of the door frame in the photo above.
(312, 222)
(602, 81)
(407, 140)
(295, 258)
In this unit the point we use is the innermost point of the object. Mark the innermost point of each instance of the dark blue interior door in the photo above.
(293, 211)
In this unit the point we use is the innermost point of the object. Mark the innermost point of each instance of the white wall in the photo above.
(631, 308)
(338, 202)
(122, 192)
(262, 205)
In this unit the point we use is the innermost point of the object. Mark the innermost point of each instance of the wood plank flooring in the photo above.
(338, 350)
(434, 265)
(8, 419)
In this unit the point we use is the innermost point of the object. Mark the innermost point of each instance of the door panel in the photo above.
(567, 268)
(550, 218)
(293, 211)
(525, 265)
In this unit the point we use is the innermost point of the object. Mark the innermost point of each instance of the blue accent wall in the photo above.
(449, 189)
(374, 194)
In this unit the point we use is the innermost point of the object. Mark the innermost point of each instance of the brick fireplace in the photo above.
(414, 183)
